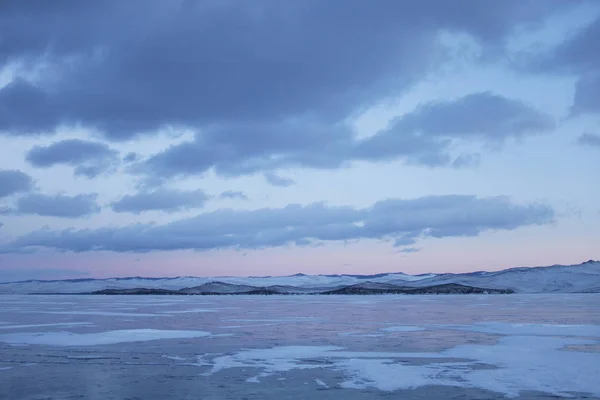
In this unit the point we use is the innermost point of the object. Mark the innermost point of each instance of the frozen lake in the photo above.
(318, 347)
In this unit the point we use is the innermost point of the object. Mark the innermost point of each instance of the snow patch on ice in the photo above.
(516, 363)
(246, 326)
(404, 328)
(273, 360)
(283, 319)
(195, 310)
(102, 313)
(360, 334)
(175, 358)
(321, 383)
(100, 338)
(105, 313)
(62, 324)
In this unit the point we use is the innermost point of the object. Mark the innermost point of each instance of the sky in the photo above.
(206, 138)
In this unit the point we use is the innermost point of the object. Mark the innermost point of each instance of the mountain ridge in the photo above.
(576, 278)
(299, 274)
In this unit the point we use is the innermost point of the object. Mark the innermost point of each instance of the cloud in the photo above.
(61, 206)
(587, 94)
(482, 115)
(424, 137)
(89, 158)
(130, 157)
(125, 82)
(589, 139)
(467, 160)
(14, 181)
(161, 200)
(433, 216)
(578, 56)
(277, 180)
(409, 250)
(26, 110)
(232, 194)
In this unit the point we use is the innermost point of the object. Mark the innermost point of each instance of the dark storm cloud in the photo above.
(89, 158)
(132, 67)
(60, 206)
(435, 216)
(13, 181)
(130, 157)
(423, 137)
(277, 180)
(161, 200)
(233, 194)
(578, 56)
(589, 139)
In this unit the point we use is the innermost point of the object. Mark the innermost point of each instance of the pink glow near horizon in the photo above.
(365, 258)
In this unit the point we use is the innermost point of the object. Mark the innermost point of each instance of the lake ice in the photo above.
(194, 347)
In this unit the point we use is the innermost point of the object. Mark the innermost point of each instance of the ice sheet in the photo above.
(516, 363)
(528, 329)
(94, 339)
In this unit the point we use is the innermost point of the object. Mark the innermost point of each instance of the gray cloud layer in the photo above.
(233, 194)
(265, 86)
(13, 181)
(405, 220)
(580, 57)
(201, 63)
(89, 158)
(589, 139)
(422, 137)
(61, 206)
(161, 200)
(277, 180)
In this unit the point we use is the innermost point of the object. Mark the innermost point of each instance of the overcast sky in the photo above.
(273, 137)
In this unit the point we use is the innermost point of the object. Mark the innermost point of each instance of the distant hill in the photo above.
(580, 278)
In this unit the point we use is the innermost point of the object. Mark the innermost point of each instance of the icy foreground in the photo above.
(155, 347)
(581, 278)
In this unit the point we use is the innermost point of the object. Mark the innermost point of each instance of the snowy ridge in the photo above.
(579, 278)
